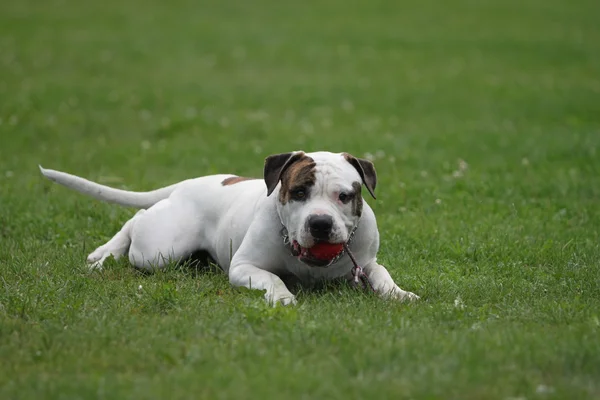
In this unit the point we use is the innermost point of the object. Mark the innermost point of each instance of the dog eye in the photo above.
(298, 194)
(344, 197)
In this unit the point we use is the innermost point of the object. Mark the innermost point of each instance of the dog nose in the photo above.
(320, 226)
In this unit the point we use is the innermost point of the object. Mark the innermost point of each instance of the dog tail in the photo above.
(106, 193)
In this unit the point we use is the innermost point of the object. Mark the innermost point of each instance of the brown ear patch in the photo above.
(275, 166)
(300, 174)
(366, 170)
(357, 201)
(232, 180)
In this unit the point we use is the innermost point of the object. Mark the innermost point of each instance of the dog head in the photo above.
(319, 199)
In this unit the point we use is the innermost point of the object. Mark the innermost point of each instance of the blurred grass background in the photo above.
(483, 119)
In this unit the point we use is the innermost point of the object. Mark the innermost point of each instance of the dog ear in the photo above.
(366, 170)
(276, 165)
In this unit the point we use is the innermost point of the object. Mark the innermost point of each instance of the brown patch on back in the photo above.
(357, 201)
(232, 180)
(300, 173)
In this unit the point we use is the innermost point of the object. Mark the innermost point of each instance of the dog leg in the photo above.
(168, 232)
(116, 247)
(249, 276)
(384, 284)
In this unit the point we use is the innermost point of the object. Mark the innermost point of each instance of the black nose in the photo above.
(320, 226)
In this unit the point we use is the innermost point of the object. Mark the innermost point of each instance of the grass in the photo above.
(503, 246)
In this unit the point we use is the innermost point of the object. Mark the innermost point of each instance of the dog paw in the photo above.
(403, 295)
(410, 296)
(94, 266)
(283, 298)
(95, 260)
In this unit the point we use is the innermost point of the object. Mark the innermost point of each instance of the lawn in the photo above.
(483, 120)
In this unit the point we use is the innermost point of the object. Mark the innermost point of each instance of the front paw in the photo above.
(285, 298)
(402, 295)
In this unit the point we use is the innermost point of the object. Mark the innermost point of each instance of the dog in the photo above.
(307, 218)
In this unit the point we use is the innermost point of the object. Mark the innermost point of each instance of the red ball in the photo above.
(326, 251)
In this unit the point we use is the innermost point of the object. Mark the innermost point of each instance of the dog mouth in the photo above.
(321, 254)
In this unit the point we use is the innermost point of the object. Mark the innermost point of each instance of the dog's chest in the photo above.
(311, 275)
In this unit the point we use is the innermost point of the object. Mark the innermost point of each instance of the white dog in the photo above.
(301, 220)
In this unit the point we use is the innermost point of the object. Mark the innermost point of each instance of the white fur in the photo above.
(332, 177)
(240, 227)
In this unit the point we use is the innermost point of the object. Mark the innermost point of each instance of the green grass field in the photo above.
(484, 121)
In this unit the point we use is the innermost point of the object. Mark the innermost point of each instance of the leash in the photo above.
(358, 273)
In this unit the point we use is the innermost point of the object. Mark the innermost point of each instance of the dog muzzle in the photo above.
(321, 254)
